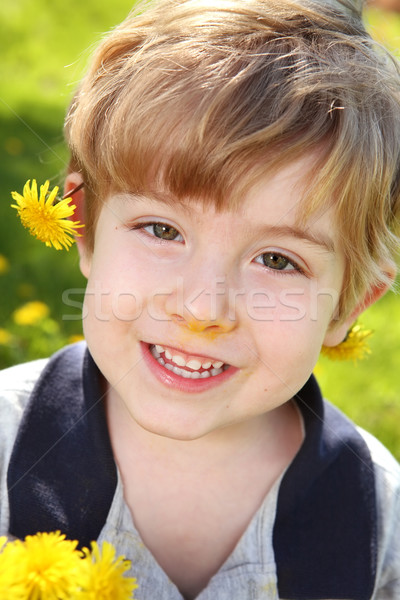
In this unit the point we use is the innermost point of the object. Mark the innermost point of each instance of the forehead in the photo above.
(278, 203)
(288, 184)
(279, 190)
(264, 178)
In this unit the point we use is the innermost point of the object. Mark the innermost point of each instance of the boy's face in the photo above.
(247, 291)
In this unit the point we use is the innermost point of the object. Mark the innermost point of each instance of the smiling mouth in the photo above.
(187, 367)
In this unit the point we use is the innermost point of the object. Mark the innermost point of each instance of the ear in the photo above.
(71, 182)
(337, 332)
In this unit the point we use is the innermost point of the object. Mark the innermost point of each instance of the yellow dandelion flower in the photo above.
(49, 566)
(354, 347)
(12, 571)
(102, 576)
(46, 217)
(31, 313)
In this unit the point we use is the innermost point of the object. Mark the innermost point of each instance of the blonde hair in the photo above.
(201, 98)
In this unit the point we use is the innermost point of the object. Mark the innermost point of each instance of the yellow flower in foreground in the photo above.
(51, 566)
(354, 347)
(12, 584)
(103, 575)
(40, 568)
(46, 217)
(31, 313)
(46, 566)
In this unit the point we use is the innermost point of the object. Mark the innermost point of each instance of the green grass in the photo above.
(43, 48)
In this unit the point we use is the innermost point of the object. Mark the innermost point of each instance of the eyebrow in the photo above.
(162, 198)
(317, 239)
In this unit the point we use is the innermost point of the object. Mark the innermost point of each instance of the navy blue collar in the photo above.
(325, 536)
(62, 476)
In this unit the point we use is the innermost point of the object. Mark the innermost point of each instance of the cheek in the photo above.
(305, 306)
(288, 358)
(111, 302)
(290, 335)
(125, 307)
(120, 292)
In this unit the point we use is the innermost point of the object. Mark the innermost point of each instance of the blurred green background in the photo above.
(44, 49)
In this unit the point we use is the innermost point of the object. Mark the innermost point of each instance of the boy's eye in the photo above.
(277, 262)
(163, 231)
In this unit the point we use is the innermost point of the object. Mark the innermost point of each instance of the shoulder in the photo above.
(387, 475)
(16, 385)
(384, 462)
(387, 486)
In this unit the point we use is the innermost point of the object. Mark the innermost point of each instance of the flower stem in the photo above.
(73, 191)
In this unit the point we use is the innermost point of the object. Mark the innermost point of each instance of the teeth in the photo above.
(195, 375)
(178, 360)
(216, 371)
(217, 364)
(184, 373)
(194, 364)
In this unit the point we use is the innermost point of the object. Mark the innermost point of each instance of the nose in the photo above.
(200, 302)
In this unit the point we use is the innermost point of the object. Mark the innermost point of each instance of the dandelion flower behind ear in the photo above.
(46, 216)
(354, 346)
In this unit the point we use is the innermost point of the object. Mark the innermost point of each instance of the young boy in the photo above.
(240, 161)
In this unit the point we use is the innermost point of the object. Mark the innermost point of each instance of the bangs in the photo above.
(204, 129)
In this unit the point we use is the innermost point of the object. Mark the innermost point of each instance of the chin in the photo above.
(181, 432)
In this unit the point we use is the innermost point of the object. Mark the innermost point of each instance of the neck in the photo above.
(274, 434)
